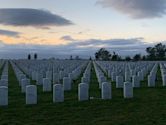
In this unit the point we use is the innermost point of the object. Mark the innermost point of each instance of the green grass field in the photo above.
(148, 107)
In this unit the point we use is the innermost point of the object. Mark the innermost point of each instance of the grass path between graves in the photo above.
(148, 107)
(94, 90)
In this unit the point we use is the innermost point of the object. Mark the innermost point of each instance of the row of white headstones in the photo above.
(4, 85)
(58, 89)
(127, 77)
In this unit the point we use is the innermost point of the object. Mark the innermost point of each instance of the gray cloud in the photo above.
(67, 38)
(121, 46)
(113, 42)
(137, 9)
(31, 17)
(9, 33)
(84, 48)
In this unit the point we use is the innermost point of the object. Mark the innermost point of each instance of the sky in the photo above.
(60, 28)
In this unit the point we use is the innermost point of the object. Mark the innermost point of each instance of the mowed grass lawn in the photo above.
(148, 107)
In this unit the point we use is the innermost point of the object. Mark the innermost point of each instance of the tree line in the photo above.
(157, 52)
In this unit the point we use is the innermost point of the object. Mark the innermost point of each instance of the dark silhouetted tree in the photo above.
(157, 52)
(151, 53)
(160, 51)
(127, 58)
(144, 58)
(103, 54)
(137, 57)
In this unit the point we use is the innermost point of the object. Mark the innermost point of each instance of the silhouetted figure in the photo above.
(35, 56)
(71, 57)
(29, 56)
(115, 57)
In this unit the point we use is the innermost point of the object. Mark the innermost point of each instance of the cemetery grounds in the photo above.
(147, 107)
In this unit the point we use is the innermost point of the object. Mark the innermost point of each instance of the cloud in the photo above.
(9, 33)
(84, 48)
(137, 9)
(31, 17)
(112, 42)
(101, 42)
(67, 38)
(121, 46)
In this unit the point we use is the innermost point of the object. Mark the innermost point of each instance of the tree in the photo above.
(103, 54)
(29, 56)
(137, 57)
(90, 58)
(157, 52)
(127, 58)
(144, 57)
(35, 56)
(160, 51)
(151, 53)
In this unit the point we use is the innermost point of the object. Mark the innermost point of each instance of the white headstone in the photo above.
(33, 75)
(106, 90)
(83, 92)
(61, 75)
(58, 93)
(67, 83)
(4, 77)
(109, 73)
(56, 78)
(151, 81)
(39, 79)
(113, 76)
(24, 83)
(101, 80)
(49, 75)
(3, 95)
(164, 80)
(3, 82)
(31, 94)
(21, 76)
(119, 81)
(140, 75)
(128, 90)
(135, 81)
(84, 80)
(70, 75)
(47, 86)
(127, 76)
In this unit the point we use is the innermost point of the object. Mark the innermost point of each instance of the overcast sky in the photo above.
(80, 27)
